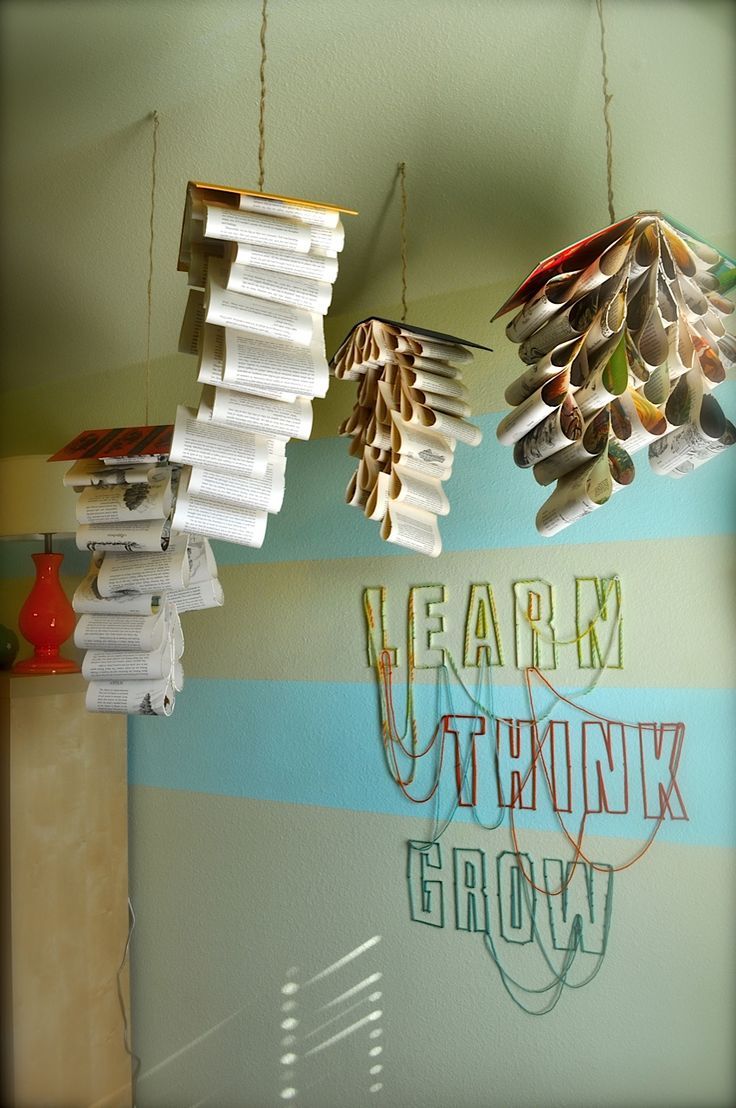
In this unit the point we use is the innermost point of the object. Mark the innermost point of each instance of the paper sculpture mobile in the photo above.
(261, 270)
(410, 412)
(624, 341)
(140, 577)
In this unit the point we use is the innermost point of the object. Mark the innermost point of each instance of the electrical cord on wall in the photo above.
(124, 1007)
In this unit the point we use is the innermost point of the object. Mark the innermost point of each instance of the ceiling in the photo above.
(494, 105)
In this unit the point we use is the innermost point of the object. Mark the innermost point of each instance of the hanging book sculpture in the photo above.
(140, 577)
(624, 341)
(410, 412)
(261, 270)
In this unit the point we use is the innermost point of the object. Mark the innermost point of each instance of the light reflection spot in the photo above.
(377, 1087)
(375, 1069)
(288, 1094)
(287, 1059)
(376, 1034)
(375, 996)
(375, 1051)
(290, 1024)
(288, 1006)
(288, 1040)
(290, 988)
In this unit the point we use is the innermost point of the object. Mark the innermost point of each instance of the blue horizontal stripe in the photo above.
(311, 743)
(493, 506)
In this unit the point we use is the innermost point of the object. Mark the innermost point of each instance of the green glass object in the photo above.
(8, 647)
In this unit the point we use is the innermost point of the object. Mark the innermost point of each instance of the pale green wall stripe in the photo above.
(230, 894)
(310, 632)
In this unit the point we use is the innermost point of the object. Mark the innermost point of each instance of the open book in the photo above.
(623, 340)
(410, 412)
(260, 273)
(140, 576)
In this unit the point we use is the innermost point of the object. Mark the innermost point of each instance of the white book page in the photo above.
(260, 317)
(316, 266)
(134, 535)
(190, 335)
(198, 596)
(450, 426)
(412, 528)
(376, 503)
(261, 415)
(87, 600)
(328, 239)
(266, 493)
(267, 367)
(285, 209)
(111, 665)
(120, 632)
(245, 526)
(418, 491)
(142, 698)
(91, 471)
(236, 226)
(576, 495)
(426, 451)
(281, 288)
(144, 573)
(200, 443)
(120, 503)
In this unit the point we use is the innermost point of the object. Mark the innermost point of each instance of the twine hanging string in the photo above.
(607, 97)
(262, 109)
(404, 209)
(149, 290)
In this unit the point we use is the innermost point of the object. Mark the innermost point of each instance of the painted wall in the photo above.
(268, 843)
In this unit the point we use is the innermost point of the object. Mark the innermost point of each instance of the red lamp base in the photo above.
(46, 620)
(42, 663)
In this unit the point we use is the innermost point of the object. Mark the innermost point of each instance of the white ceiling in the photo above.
(495, 105)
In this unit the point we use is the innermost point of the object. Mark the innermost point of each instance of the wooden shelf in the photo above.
(63, 806)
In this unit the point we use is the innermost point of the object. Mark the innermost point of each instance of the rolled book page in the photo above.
(418, 491)
(190, 335)
(355, 495)
(451, 426)
(266, 493)
(198, 596)
(245, 526)
(577, 494)
(590, 445)
(267, 366)
(636, 421)
(138, 665)
(259, 317)
(281, 288)
(288, 209)
(704, 435)
(141, 698)
(216, 447)
(557, 431)
(429, 451)
(315, 266)
(432, 383)
(544, 304)
(376, 503)
(412, 528)
(88, 601)
(327, 240)
(120, 503)
(134, 535)
(88, 472)
(547, 368)
(258, 414)
(261, 230)
(120, 632)
(533, 410)
(144, 573)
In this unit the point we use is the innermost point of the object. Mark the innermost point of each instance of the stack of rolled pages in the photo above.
(139, 580)
(410, 412)
(261, 270)
(624, 340)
